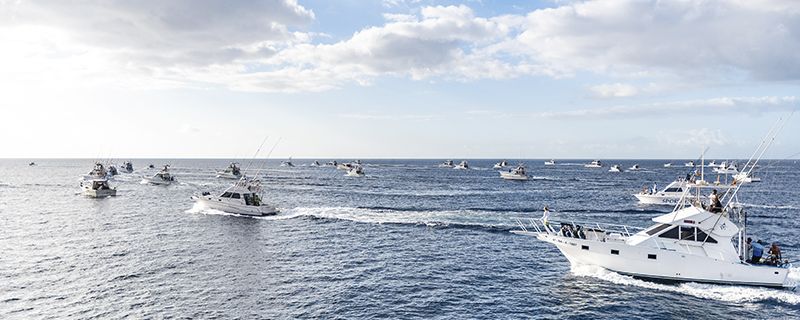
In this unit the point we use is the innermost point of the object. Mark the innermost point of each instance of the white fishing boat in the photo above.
(447, 164)
(668, 165)
(551, 162)
(670, 195)
(231, 172)
(462, 166)
(745, 177)
(162, 177)
(518, 173)
(615, 168)
(729, 169)
(355, 171)
(244, 197)
(128, 167)
(689, 164)
(348, 166)
(634, 167)
(331, 163)
(32, 164)
(287, 163)
(315, 164)
(112, 170)
(98, 188)
(500, 165)
(594, 164)
(701, 240)
(714, 164)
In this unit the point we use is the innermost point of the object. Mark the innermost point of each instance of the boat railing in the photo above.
(546, 226)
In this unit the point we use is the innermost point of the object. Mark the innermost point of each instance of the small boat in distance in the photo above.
(594, 164)
(635, 167)
(315, 164)
(151, 166)
(112, 170)
(447, 164)
(96, 184)
(348, 166)
(287, 163)
(500, 165)
(729, 169)
(332, 163)
(744, 177)
(552, 162)
(518, 173)
(231, 172)
(668, 164)
(32, 164)
(162, 178)
(243, 197)
(128, 166)
(355, 171)
(462, 166)
(689, 164)
(615, 168)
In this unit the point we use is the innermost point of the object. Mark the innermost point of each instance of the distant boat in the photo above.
(112, 170)
(635, 167)
(594, 164)
(447, 164)
(231, 172)
(128, 167)
(518, 173)
(315, 164)
(32, 164)
(462, 166)
(243, 197)
(689, 164)
(615, 168)
(668, 164)
(500, 165)
(163, 177)
(96, 184)
(355, 171)
(550, 163)
(151, 166)
(332, 163)
(287, 163)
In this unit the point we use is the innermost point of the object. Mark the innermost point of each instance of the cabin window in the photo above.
(702, 236)
(651, 256)
(614, 251)
(584, 247)
(248, 199)
(670, 234)
(687, 233)
(657, 229)
(225, 195)
(235, 196)
(673, 190)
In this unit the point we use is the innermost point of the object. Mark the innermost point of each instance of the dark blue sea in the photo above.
(407, 241)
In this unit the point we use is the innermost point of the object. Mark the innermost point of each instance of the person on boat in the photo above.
(748, 257)
(774, 254)
(545, 216)
(655, 188)
(716, 205)
(758, 251)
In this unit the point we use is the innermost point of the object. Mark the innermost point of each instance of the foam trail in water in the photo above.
(727, 293)
(429, 218)
(202, 209)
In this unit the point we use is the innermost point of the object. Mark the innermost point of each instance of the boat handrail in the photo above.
(624, 230)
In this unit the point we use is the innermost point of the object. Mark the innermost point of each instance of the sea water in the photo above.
(408, 240)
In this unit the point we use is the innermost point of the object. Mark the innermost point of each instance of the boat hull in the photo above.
(100, 193)
(659, 199)
(511, 176)
(228, 175)
(262, 210)
(667, 265)
(157, 182)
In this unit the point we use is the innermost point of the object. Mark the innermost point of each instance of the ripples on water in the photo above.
(409, 240)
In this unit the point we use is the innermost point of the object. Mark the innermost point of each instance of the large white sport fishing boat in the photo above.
(675, 191)
(447, 164)
(689, 164)
(287, 163)
(594, 164)
(243, 197)
(551, 162)
(615, 168)
(128, 166)
(355, 171)
(163, 177)
(635, 167)
(231, 172)
(697, 242)
(96, 185)
(348, 166)
(462, 166)
(518, 173)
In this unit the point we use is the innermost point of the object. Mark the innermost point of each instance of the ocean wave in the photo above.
(726, 293)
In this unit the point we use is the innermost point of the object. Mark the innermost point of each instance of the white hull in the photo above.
(548, 163)
(665, 199)
(461, 168)
(668, 264)
(157, 182)
(209, 202)
(228, 175)
(513, 176)
(99, 193)
(353, 174)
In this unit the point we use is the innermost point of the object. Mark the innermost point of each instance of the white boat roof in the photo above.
(696, 216)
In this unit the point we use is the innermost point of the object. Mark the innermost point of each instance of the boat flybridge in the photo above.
(231, 172)
(447, 164)
(552, 162)
(162, 177)
(500, 165)
(594, 164)
(615, 168)
(462, 166)
(701, 240)
(518, 173)
(355, 171)
(243, 198)
(96, 185)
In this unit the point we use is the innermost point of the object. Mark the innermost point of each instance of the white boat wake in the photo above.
(726, 293)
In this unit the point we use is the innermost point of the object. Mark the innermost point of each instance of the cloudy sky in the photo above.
(393, 78)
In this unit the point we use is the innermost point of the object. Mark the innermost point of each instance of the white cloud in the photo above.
(614, 90)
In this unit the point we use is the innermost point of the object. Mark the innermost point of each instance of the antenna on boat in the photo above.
(257, 151)
(268, 155)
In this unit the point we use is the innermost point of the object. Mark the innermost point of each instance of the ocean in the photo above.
(408, 240)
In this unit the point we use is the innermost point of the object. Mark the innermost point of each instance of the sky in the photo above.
(398, 79)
